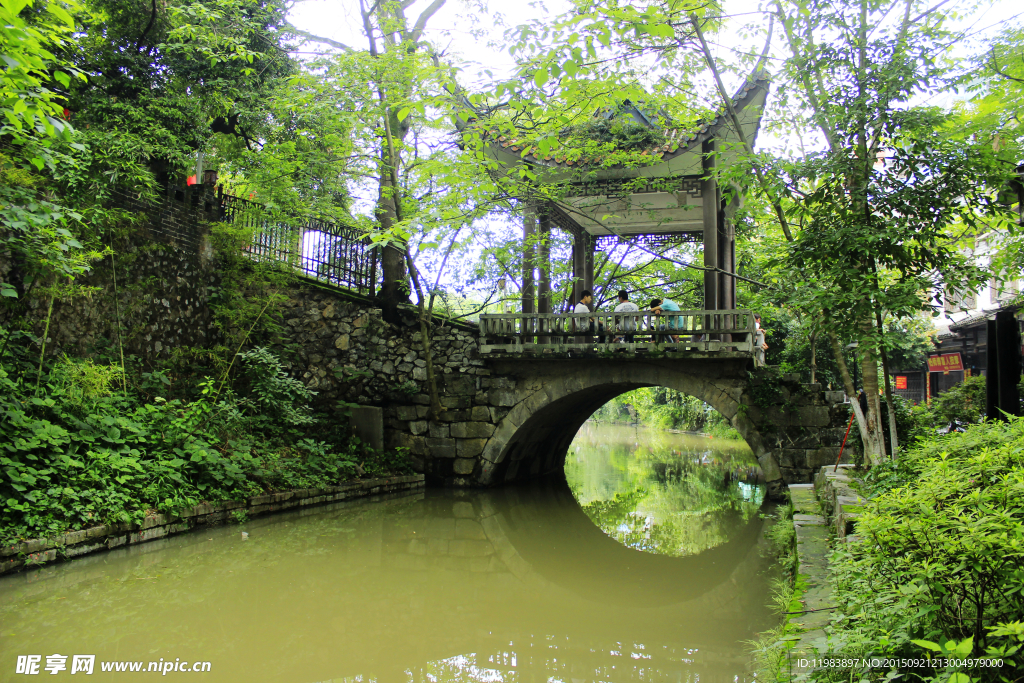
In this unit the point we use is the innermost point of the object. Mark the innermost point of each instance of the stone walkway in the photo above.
(812, 544)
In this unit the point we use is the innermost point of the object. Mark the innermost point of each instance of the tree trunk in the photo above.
(869, 379)
(851, 391)
(394, 287)
(893, 440)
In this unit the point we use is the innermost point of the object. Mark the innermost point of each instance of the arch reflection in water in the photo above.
(512, 585)
(669, 493)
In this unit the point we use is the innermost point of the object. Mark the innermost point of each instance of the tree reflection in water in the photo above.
(661, 492)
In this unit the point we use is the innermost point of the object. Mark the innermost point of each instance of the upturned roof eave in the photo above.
(753, 91)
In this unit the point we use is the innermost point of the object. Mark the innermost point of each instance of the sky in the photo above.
(473, 37)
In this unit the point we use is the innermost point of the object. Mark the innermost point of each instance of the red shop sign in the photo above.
(945, 363)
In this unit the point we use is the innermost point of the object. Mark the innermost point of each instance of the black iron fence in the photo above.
(335, 254)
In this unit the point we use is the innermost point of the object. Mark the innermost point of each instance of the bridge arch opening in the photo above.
(532, 440)
(675, 494)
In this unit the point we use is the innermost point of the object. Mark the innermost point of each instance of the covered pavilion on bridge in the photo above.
(674, 200)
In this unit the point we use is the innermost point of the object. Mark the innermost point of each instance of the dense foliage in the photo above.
(939, 566)
(80, 448)
(665, 408)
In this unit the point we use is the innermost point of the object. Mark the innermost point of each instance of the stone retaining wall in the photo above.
(165, 271)
(107, 537)
(346, 351)
(805, 426)
(840, 503)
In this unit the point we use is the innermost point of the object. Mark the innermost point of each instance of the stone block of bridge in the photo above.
(367, 423)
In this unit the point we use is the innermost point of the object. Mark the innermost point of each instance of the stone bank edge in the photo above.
(37, 552)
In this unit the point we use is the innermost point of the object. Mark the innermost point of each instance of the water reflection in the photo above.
(662, 492)
(512, 585)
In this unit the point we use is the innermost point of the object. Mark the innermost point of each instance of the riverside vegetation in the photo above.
(86, 443)
(664, 408)
(939, 565)
(936, 569)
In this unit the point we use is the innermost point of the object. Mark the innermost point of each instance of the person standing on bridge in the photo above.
(759, 344)
(626, 323)
(660, 305)
(586, 299)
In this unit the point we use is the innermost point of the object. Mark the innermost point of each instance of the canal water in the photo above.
(656, 574)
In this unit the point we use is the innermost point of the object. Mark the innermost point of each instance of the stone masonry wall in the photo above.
(347, 353)
(165, 269)
(804, 425)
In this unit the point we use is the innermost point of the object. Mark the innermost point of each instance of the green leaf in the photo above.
(964, 647)
(56, 10)
(927, 644)
(540, 77)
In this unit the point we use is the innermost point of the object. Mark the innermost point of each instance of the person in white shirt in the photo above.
(587, 298)
(626, 323)
(759, 344)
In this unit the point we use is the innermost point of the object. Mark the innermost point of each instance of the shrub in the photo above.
(962, 404)
(82, 454)
(274, 396)
(941, 555)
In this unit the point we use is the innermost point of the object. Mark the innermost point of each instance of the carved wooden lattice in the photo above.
(617, 187)
(651, 241)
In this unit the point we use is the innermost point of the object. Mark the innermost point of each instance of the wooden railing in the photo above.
(693, 332)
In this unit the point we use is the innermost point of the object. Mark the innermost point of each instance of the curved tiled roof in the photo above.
(680, 141)
(985, 314)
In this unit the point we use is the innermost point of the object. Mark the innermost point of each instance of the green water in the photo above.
(515, 585)
(667, 493)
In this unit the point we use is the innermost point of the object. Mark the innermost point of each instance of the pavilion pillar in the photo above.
(529, 260)
(709, 199)
(578, 268)
(589, 249)
(727, 262)
(544, 274)
(544, 265)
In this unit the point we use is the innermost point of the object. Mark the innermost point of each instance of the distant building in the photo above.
(961, 346)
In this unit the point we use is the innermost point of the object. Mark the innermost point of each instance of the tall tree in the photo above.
(394, 59)
(163, 76)
(883, 209)
(399, 99)
(994, 115)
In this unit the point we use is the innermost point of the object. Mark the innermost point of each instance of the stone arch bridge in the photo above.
(525, 415)
(512, 411)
